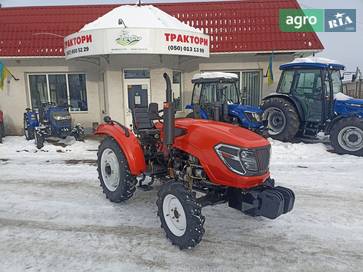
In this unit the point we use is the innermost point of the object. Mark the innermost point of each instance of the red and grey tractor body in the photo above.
(224, 162)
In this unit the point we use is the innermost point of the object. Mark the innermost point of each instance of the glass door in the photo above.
(137, 92)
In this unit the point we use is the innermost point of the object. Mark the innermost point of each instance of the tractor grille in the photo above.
(263, 159)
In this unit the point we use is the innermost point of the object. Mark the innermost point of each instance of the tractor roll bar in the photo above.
(169, 114)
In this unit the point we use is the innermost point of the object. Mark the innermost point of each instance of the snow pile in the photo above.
(315, 60)
(342, 97)
(145, 16)
(213, 75)
(54, 217)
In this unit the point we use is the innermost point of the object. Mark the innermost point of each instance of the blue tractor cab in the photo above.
(216, 96)
(309, 99)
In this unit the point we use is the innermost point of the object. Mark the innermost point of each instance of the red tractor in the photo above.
(199, 163)
(2, 129)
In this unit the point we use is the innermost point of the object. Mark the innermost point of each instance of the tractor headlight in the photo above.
(254, 116)
(238, 160)
(61, 118)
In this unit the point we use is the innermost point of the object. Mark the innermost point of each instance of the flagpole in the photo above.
(10, 73)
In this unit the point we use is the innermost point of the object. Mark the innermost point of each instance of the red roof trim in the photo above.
(234, 26)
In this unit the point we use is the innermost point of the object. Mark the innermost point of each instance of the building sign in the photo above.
(136, 41)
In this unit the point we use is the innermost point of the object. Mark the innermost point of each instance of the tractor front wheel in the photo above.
(180, 215)
(39, 140)
(282, 119)
(113, 172)
(346, 136)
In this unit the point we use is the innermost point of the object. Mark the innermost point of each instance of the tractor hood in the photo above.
(346, 105)
(210, 133)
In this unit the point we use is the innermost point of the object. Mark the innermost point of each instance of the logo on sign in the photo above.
(317, 20)
(126, 39)
(343, 20)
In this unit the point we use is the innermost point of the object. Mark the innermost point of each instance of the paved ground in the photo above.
(54, 217)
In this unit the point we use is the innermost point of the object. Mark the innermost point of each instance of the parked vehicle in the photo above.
(216, 96)
(2, 127)
(309, 99)
(223, 162)
(50, 121)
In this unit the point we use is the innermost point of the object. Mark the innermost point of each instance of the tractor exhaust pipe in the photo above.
(169, 115)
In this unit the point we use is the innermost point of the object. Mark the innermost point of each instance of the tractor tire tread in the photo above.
(334, 132)
(195, 220)
(127, 185)
(292, 118)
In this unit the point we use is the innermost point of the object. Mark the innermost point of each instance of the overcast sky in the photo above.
(345, 47)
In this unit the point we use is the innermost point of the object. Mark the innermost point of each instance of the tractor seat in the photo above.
(143, 121)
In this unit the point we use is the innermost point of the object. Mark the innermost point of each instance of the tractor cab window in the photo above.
(287, 78)
(209, 93)
(309, 83)
(228, 93)
(336, 82)
(196, 93)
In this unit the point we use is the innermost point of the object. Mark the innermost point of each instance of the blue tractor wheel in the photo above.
(39, 139)
(28, 130)
(347, 136)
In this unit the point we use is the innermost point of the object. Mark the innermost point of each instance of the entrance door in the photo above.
(251, 87)
(137, 92)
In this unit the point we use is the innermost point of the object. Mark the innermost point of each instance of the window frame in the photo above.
(47, 74)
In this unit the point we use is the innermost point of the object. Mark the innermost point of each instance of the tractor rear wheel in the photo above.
(282, 118)
(28, 131)
(180, 215)
(113, 172)
(346, 136)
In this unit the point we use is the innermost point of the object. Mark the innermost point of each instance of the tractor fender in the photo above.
(292, 100)
(130, 146)
(332, 123)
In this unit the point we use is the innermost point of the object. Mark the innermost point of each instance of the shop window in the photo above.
(58, 89)
(177, 90)
(61, 89)
(38, 90)
(77, 92)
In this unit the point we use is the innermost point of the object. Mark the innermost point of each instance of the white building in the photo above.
(243, 35)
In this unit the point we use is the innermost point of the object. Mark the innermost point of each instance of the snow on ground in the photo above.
(54, 217)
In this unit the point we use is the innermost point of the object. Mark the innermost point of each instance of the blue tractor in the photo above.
(50, 121)
(309, 100)
(216, 96)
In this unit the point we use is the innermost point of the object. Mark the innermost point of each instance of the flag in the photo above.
(4, 73)
(270, 75)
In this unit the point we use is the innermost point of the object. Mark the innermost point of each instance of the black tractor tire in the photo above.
(340, 142)
(192, 213)
(292, 120)
(2, 132)
(29, 132)
(39, 140)
(79, 135)
(126, 181)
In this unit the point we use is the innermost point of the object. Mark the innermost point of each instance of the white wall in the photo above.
(105, 89)
(15, 96)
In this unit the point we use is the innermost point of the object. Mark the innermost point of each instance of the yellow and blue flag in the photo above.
(270, 75)
(4, 73)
